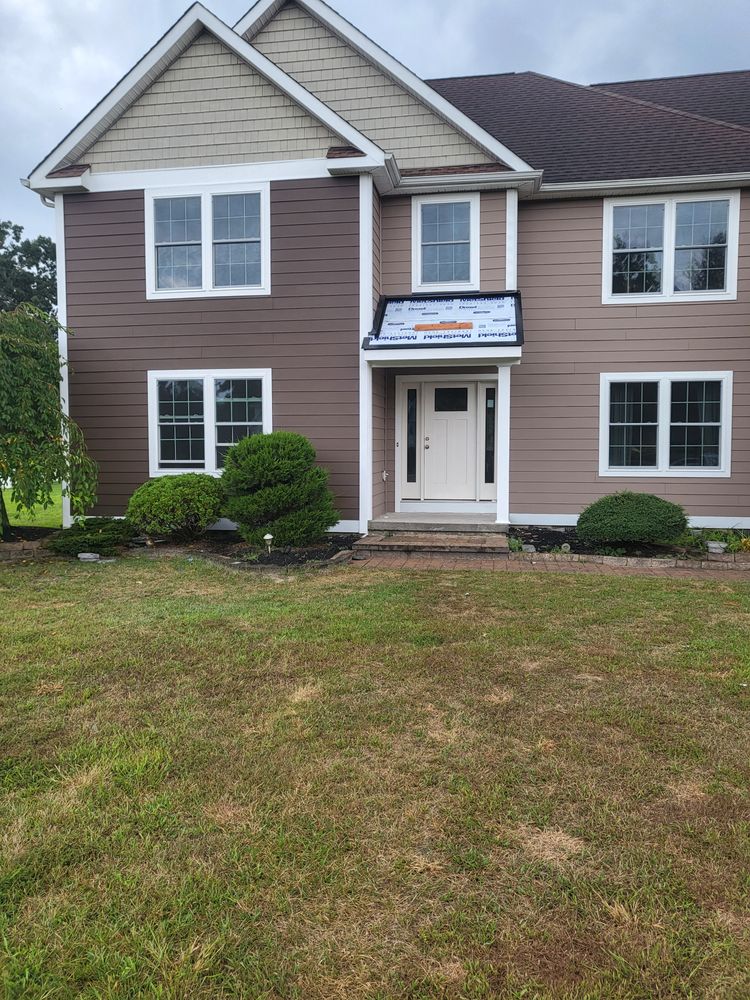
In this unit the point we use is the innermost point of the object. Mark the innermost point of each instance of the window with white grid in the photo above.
(665, 424)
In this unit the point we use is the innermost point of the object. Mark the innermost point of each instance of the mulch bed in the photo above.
(549, 539)
(26, 534)
(230, 545)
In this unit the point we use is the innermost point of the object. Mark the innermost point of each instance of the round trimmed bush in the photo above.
(273, 486)
(183, 505)
(631, 517)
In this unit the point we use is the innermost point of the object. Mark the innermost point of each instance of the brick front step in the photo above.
(443, 542)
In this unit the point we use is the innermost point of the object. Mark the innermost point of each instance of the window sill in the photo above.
(456, 286)
(152, 295)
(659, 300)
(665, 473)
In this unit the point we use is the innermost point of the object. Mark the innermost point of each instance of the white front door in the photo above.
(450, 440)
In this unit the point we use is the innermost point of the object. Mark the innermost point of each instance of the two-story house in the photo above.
(501, 296)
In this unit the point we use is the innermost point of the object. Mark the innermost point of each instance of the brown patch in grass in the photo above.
(558, 956)
(500, 696)
(48, 687)
(305, 692)
(230, 814)
(553, 846)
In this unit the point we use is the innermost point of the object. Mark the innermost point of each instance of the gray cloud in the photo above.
(59, 57)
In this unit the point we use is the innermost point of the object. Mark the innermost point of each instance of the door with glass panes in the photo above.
(446, 440)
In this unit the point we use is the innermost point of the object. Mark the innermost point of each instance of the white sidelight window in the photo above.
(207, 242)
(445, 243)
(671, 249)
(195, 416)
(665, 424)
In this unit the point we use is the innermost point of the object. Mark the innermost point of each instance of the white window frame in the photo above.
(208, 377)
(473, 284)
(662, 469)
(667, 293)
(206, 192)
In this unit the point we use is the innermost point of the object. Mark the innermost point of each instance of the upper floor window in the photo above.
(665, 424)
(208, 242)
(659, 249)
(445, 243)
(195, 416)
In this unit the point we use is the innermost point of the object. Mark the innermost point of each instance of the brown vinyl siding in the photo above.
(396, 243)
(307, 331)
(570, 338)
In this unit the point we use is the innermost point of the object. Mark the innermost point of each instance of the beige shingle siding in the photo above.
(361, 94)
(209, 107)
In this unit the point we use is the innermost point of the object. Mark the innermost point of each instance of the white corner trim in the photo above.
(346, 528)
(206, 193)
(209, 412)
(511, 239)
(473, 284)
(140, 77)
(62, 333)
(667, 294)
(366, 284)
(662, 469)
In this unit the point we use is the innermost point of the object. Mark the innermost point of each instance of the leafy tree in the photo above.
(39, 445)
(27, 269)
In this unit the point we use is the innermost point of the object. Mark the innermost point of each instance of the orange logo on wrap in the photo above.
(423, 327)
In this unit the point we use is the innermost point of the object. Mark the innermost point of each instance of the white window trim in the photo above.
(209, 410)
(205, 192)
(662, 469)
(473, 284)
(667, 294)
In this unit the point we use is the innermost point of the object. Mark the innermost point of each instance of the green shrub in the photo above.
(273, 487)
(104, 535)
(631, 517)
(183, 506)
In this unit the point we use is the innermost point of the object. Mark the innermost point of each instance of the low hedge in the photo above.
(631, 517)
(183, 506)
(103, 535)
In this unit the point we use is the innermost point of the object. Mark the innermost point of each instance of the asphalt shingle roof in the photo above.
(723, 96)
(578, 133)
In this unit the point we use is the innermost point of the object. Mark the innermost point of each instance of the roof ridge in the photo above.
(475, 76)
(676, 111)
(647, 104)
(677, 76)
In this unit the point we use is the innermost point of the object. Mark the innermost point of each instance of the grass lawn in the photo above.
(373, 785)
(50, 517)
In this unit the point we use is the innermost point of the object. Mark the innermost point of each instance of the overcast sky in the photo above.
(59, 57)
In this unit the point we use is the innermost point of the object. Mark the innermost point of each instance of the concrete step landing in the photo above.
(443, 542)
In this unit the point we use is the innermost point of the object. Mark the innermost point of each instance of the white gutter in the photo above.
(643, 184)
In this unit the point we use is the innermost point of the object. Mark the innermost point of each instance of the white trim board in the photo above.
(741, 523)
(341, 527)
(62, 333)
(264, 10)
(366, 285)
(153, 64)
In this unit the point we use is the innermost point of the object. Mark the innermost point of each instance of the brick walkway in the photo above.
(421, 561)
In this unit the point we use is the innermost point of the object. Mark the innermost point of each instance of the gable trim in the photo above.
(152, 65)
(264, 10)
